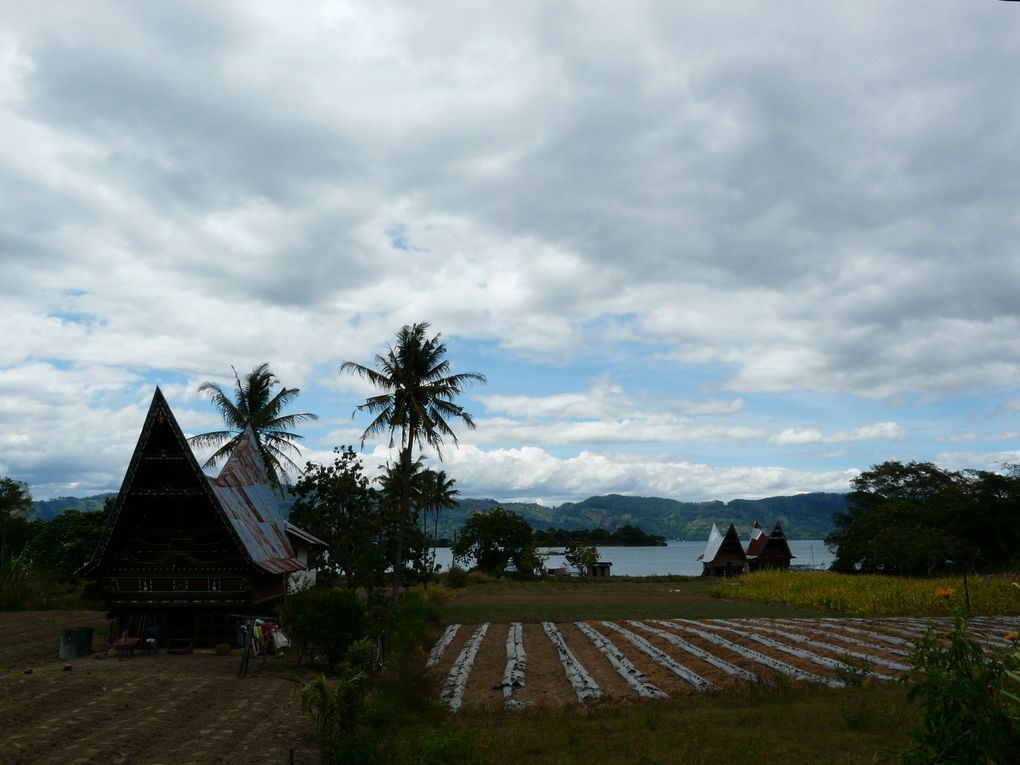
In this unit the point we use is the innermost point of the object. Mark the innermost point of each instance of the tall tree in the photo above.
(417, 401)
(337, 504)
(255, 402)
(15, 507)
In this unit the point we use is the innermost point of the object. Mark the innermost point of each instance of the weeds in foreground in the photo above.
(969, 712)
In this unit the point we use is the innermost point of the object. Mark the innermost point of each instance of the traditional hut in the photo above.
(724, 555)
(772, 551)
(184, 555)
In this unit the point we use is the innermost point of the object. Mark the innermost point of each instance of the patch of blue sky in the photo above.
(78, 317)
(400, 239)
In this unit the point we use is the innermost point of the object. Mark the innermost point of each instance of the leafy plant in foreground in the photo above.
(966, 715)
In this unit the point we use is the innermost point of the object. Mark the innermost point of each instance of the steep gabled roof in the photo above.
(776, 544)
(248, 501)
(757, 542)
(715, 540)
(171, 437)
(241, 495)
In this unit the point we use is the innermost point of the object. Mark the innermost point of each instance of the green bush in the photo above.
(967, 718)
(448, 748)
(326, 621)
(456, 578)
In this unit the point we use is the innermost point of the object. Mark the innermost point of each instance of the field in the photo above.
(657, 671)
(169, 710)
(626, 641)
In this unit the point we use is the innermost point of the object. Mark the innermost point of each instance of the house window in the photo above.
(180, 584)
(144, 584)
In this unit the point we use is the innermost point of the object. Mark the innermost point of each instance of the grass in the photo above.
(570, 599)
(859, 595)
(758, 724)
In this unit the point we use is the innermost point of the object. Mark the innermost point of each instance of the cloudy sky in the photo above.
(700, 250)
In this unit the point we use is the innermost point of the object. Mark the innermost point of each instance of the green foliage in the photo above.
(456, 578)
(336, 503)
(496, 539)
(966, 717)
(15, 507)
(918, 518)
(625, 536)
(255, 403)
(416, 400)
(446, 747)
(66, 543)
(804, 516)
(328, 621)
(870, 594)
(582, 559)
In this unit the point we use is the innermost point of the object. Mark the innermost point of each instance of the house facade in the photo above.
(184, 555)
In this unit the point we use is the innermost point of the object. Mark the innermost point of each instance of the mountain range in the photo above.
(804, 516)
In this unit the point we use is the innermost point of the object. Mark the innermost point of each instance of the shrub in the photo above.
(967, 718)
(456, 577)
(327, 621)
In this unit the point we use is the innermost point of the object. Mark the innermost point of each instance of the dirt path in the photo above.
(158, 710)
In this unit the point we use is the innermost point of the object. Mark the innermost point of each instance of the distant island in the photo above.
(804, 516)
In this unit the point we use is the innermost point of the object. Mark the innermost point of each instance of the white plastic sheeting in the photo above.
(516, 665)
(663, 659)
(702, 654)
(436, 654)
(584, 684)
(456, 681)
(779, 666)
(623, 666)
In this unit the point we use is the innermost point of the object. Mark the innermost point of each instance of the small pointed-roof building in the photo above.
(183, 555)
(772, 551)
(724, 555)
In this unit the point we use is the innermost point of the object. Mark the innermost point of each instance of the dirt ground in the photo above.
(545, 683)
(158, 710)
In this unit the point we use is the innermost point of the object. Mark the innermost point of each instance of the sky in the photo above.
(699, 250)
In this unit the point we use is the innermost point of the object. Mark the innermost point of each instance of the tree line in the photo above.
(919, 518)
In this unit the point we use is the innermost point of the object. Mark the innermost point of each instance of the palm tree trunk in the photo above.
(403, 514)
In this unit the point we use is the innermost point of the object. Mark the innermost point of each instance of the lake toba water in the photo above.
(677, 558)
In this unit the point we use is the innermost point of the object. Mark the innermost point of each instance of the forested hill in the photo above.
(804, 516)
(48, 509)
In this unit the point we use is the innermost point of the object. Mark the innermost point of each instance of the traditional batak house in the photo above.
(184, 556)
(768, 550)
(724, 555)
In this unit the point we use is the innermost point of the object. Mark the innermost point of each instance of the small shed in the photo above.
(724, 554)
(602, 568)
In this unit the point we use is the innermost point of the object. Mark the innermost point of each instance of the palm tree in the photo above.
(255, 404)
(437, 494)
(416, 400)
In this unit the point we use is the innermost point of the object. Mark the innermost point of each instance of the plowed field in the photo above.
(651, 658)
(160, 709)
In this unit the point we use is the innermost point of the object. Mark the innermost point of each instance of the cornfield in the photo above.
(870, 595)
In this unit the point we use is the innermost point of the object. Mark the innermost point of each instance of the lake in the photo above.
(677, 558)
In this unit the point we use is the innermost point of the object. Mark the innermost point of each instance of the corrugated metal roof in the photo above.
(253, 509)
(714, 543)
(758, 540)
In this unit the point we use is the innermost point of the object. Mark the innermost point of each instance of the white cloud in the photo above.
(880, 430)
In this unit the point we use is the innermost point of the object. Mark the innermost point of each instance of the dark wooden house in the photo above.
(768, 551)
(184, 555)
(724, 555)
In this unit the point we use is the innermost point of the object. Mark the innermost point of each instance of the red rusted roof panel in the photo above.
(253, 508)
